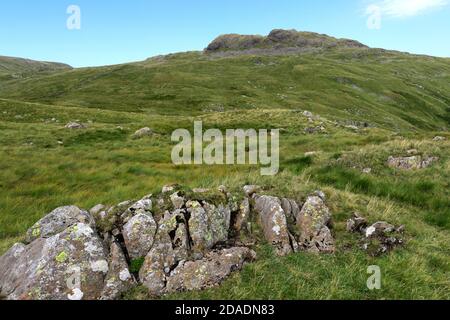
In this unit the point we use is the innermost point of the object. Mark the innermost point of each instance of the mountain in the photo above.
(11, 68)
(342, 79)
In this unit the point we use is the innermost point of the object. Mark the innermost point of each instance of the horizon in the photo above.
(117, 33)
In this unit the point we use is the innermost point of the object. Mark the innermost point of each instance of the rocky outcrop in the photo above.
(290, 229)
(411, 163)
(188, 240)
(378, 238)
(277, 42)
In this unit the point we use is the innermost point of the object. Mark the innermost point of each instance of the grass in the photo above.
(403, 98)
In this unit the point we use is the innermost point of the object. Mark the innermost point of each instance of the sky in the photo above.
(117, 31)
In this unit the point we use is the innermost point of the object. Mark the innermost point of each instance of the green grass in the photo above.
(404, 98)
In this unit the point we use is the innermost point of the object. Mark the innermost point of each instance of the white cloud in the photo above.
(408, 8)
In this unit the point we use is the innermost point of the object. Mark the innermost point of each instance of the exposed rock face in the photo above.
(276, 41)
(69, 265)
(144, 132)
(274, 223)
(411, 163)
(210, 271)
(313, 223)
(58, 220)
(139, 234)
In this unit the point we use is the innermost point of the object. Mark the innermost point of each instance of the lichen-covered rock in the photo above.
(208, 225)
(97, 209)
(210, 271)
(57, 221)
(274, 223)
(70, 265)
(143, 206)
(139, 234)
(110, 219)
(411, 163)
(165, 254)
(118, 279)
(177, 201)
(313, 224)
(243, 215)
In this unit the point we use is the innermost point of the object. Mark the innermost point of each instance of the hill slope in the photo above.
(11, 68)
(347, 83)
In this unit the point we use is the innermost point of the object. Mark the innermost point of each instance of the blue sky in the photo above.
(117, 31)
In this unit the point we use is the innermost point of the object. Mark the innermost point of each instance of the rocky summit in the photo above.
(278, 41)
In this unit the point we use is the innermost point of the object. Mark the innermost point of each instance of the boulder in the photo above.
(273, 220)
(139, 234)
(141, 133)
(313, 224)
(210, 271)
(118, 280)
(70, 265)
(58, 220)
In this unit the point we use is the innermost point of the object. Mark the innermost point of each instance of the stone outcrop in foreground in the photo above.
(187, 240)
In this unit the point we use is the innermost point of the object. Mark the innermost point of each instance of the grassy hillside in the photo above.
(404, 100)
(17, 68)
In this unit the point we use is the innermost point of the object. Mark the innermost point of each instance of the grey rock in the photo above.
(57, 221)
(250, 190)
(75, 126)
(313, 224)
(210, 271)
(119, 279)
(273, 220)
(141, 133)
(70, 265)
(139, 234)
